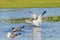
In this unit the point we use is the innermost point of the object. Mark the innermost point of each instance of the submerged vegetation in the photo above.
(52, 18)
(22, 20)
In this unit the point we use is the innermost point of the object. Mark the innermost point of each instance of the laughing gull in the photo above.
(14, 30)
(17, 29)
(12, 35)
(36, 20)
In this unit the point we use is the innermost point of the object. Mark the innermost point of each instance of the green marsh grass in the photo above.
(22, 20)
(29, 3)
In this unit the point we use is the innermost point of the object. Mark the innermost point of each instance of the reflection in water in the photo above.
(50, 31)
(37, 33)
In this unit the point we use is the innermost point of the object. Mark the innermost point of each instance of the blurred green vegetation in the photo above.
(22, 20)
(51, 18)
(29, 3)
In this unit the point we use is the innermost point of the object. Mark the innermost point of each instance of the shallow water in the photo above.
(50, 31)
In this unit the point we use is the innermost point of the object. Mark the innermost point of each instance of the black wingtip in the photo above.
(43, 12)
(13, 28)
(22, 26)
(19, 33)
